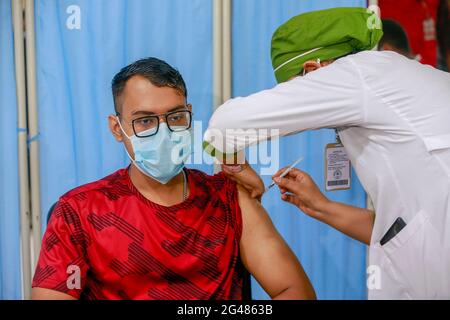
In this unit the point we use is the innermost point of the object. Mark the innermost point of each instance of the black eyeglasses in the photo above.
(179, 120)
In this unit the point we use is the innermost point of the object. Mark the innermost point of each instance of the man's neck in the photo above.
(167, 194)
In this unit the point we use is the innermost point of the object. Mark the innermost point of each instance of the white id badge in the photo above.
(337, 168)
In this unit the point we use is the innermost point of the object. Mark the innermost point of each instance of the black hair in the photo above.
(395, 35)
(157, 71)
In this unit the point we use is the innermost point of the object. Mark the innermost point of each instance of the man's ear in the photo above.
(310, 66)
(114, 126)
(189, 106)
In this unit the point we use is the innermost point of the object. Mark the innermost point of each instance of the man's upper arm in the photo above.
(267, 257)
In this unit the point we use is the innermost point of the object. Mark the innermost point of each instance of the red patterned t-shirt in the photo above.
(122, 246)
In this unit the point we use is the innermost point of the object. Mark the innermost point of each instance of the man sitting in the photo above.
(157, 230)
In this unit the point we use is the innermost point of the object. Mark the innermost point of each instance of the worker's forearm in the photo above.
(352, 221)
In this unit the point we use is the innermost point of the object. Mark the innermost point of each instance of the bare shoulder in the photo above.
(254, 217)
(248, 204)
(243, 194)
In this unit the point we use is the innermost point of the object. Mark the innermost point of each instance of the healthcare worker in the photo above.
(392, 115)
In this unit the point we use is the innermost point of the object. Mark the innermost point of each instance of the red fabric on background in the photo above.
(411, 15)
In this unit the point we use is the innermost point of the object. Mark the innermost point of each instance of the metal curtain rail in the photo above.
(25, 218)
(221, 54)
(33, 134)
(28, 143)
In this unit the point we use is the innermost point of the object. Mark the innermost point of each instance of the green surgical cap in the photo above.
(325, 35)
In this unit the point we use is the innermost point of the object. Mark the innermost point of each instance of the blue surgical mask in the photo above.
(161, 156)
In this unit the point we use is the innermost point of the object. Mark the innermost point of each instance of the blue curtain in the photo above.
(10, 279)
(81, 44)
(334, 262)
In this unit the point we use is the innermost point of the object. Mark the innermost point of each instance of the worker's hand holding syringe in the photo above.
(250, 180)
(299, 189)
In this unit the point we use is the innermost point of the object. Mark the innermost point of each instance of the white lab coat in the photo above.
(393, 117)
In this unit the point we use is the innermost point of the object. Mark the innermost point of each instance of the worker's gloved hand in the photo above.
(298, 188)
(247, 177)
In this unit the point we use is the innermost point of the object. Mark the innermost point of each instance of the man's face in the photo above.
(141, 98)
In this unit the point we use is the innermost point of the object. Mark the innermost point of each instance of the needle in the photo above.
(285, 172)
